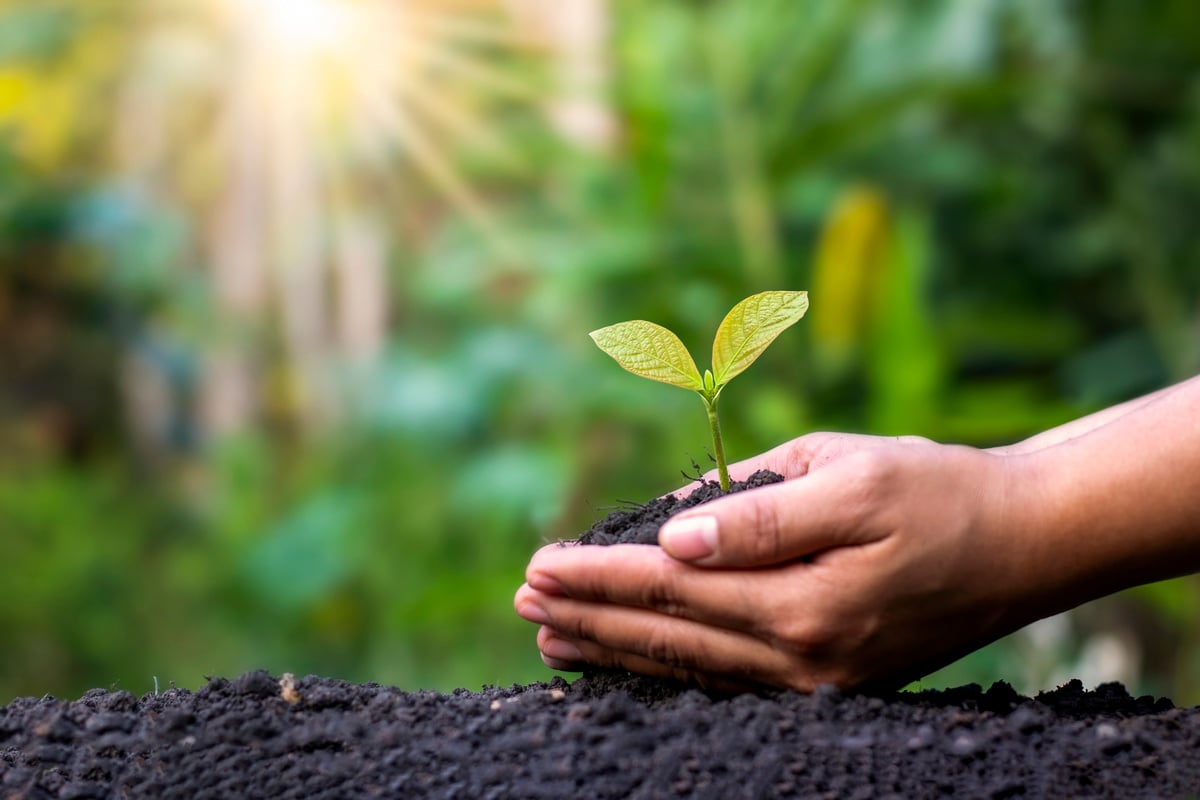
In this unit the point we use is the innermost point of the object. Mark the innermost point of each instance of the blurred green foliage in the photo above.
(989, 203)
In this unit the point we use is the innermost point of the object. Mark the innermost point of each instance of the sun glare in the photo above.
(328, 118)
(302, 27)
(311, 139)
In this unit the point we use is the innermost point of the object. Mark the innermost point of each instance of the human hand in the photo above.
(876, 561)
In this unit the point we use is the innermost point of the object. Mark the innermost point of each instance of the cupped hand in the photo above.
(875, 561)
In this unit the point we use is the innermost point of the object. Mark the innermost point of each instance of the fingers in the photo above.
(645, 577)
(798, 518)
(644, 641)
(634, 607)
(573, 656)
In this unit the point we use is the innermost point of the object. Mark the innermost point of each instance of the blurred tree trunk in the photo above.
(577, 34)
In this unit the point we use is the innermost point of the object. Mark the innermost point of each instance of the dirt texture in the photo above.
(606, 735)
(603, 736)
(640, 524)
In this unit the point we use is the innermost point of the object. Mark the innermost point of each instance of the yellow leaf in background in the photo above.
(650, 351)
(849, 262)
(50, 107)
(35, 111)
(750, 327)
(48, 129)
(15, 87)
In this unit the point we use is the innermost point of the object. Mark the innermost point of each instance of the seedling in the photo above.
(654, 352)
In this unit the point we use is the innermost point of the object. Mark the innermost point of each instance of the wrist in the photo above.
(1095, 518)
(1036, 561)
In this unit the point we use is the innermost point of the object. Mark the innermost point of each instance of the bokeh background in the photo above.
(294, 297)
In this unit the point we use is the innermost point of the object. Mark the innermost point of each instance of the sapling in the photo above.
(654, 352)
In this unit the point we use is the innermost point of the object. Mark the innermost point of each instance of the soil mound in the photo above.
(604, 736)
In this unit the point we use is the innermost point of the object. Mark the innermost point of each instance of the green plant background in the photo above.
(991, 204)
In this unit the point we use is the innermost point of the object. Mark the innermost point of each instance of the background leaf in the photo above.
(651, 351)
(750, 327)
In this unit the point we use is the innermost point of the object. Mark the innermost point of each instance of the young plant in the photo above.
(654, 352)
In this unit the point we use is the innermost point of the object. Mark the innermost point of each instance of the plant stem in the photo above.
(710, 405)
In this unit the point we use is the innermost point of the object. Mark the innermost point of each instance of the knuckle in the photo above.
(798, 454)
(803, 637)
(663, 596)
(661, 591)
(575, 626)
(813, 634)
(662, 647)
(873, 473)
(765, 540)
(916, 441)
(872, 466)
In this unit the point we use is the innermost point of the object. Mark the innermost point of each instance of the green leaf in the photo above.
(651, 351)
(750, 327)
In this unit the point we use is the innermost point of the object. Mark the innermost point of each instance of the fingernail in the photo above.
(544, 583)
(689, 538)
(560, 650)
(533, 613)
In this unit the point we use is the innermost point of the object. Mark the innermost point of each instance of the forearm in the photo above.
(1083, 425)
(1118, 505)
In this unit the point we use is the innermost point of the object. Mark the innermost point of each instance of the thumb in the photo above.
(768, 525)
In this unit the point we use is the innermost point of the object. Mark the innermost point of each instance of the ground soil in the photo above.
(606, 735)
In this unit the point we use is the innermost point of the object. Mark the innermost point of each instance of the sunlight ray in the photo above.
(474, 72)
(456, 118)
(432, 162)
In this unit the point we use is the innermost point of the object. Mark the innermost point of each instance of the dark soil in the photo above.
(604, 736)
(640, 524)
(607, 735)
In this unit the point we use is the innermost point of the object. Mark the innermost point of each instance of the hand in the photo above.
(876, 561)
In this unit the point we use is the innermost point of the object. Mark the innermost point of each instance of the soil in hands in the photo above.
(640, 525)
(606, 735)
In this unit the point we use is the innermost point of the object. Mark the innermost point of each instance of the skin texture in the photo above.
(881, 559)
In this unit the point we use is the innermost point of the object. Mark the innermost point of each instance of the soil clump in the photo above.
(640, 524)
